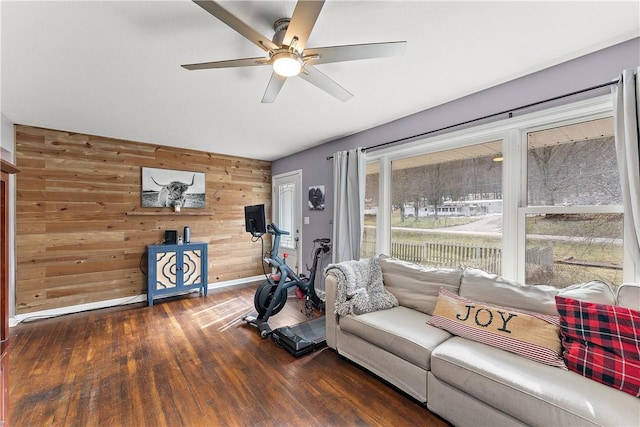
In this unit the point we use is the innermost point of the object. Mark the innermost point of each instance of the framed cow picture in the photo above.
(172, 189)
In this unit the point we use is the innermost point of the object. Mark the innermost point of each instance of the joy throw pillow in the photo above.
(601, 342)
(532, 335)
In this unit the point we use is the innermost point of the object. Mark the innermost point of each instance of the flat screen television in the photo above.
(254, 220)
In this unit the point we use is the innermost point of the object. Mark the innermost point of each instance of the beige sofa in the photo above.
(468, 382)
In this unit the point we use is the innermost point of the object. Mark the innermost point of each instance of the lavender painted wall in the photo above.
(580, 73)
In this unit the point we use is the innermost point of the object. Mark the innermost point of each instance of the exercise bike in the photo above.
(271, 295)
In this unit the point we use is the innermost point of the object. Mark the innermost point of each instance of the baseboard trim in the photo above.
(55, 312)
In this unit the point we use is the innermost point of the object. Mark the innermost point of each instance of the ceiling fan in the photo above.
(287, 51)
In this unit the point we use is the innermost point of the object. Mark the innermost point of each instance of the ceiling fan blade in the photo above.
(304, 18)
(355, 52)
(273, 88)
(237, 24)
(316, 78)
(245, 62)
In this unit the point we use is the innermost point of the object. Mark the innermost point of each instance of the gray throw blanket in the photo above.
(360, 287)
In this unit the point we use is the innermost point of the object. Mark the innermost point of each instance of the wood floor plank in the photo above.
(190, 361)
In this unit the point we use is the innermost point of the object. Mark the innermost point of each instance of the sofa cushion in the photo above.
(628, 295)
(416, 286)
(529, 334)
(491, 288)
(594, 291)
(601, 342)
(401, 331)
(534, 393)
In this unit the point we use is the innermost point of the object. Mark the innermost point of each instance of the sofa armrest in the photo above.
(331, 289)
(628, 295)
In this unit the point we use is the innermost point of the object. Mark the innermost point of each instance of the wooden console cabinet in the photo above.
(176, 269)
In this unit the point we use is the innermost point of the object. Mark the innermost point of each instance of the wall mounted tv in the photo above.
(254, 220)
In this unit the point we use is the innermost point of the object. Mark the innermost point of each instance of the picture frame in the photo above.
(172, 188)
(316, 198)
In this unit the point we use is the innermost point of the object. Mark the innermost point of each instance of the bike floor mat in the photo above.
(302, 338)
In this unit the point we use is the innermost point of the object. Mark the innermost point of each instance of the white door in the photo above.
(287, 214)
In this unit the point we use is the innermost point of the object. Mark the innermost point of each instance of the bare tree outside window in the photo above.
(401, 191)
(436, 185)
(574, 173)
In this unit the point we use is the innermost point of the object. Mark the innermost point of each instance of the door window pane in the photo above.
(286, 193)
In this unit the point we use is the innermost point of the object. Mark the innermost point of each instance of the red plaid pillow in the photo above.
(601, 342)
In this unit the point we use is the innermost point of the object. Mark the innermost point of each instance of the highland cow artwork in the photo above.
(172, 188)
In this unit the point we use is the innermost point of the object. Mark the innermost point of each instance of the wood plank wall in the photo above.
(76, 239)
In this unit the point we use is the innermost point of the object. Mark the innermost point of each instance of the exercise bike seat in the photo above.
(276, 231)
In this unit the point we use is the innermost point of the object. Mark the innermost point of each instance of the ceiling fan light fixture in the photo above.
(287, 49)
(287, 64)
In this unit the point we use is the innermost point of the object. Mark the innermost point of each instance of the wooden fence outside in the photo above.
(447, 254)
(540, 256)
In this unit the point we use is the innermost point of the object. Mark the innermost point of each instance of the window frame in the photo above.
(523, 206)
(513, 132)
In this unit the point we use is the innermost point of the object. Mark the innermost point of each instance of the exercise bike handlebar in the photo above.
(276, 231)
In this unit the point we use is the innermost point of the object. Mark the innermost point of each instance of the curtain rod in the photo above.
(509, 111)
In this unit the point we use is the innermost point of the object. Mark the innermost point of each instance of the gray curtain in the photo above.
(349, 173)
(626, 113)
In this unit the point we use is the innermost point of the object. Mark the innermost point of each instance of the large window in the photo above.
(573, 215)
(533, 201)
(447, 207)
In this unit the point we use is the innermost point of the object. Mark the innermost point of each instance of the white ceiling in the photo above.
(113, 68)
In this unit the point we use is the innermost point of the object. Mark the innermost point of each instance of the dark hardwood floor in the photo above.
(189, 361)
